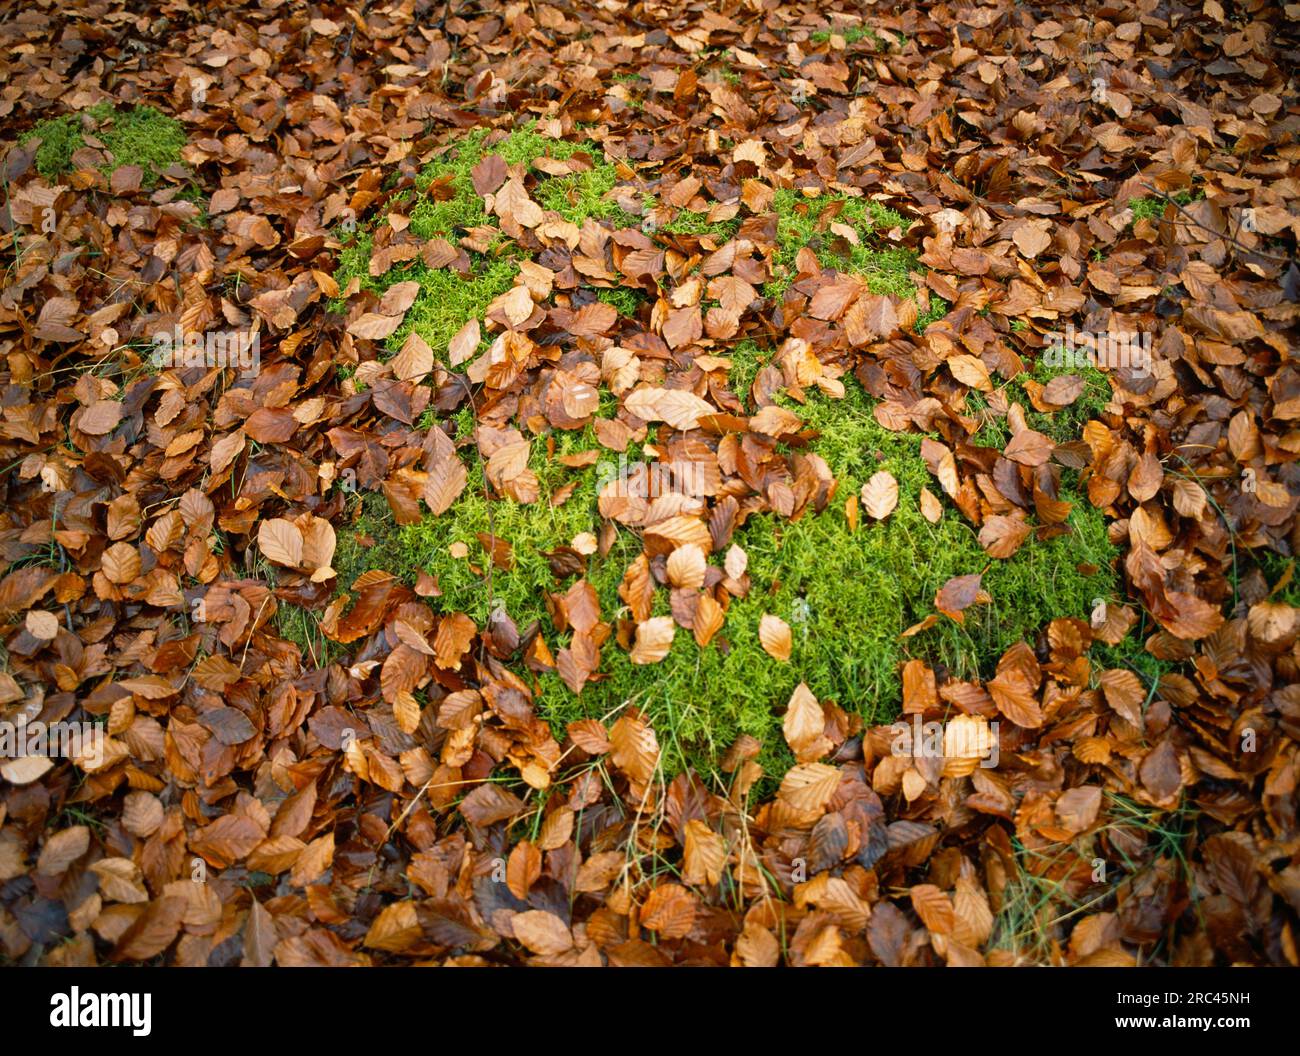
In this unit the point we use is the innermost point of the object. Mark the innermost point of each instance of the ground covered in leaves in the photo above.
(650, 407)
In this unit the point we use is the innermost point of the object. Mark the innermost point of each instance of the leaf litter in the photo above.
(914, 206)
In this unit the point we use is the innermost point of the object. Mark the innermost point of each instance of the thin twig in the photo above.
(1227, 238)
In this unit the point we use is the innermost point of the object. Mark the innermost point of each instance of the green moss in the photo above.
(689, 222)
(847, 595)
(449, 206)
(344, 371)
(1131, 654)
(302, 627)
(746, 361)
(806, 222)
(851, 35)
(139, 135)
(1062, 426)
(197, 197)
(373, 541)
(1153, 208)
(937, 309)
(446, 301)
(1273, 566)
(624, 301)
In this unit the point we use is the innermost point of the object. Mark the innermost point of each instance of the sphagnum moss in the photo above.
(847, 595)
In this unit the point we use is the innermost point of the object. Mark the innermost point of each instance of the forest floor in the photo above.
(640, 485)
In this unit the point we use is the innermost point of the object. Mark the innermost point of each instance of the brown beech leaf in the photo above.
(590, 736)
(1029, 448)
(774, 635)
(281, 542)
(931, 507)
(637, 588)
(686, 566)
(804, 726)
(958, 594)
(808, 787)
(100, 418)
(1125, 694)
(1063, 390)
(455, 632)
(709, 618)
(880, 495)
(970, 370)
(541, 932)
(933, 907)
(654, 637)
(414, 361)
(444, 484)
(1016, 699)
(523, 869)
(705, 854)
(1002, 536)
(120, 563)
(669, 911)
(636, 750)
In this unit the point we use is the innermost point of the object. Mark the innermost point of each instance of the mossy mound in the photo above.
(851, 35)
(137, 135)
(847, 595)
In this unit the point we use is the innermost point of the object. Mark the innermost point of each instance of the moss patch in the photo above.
(851, 35)
(449, 206)
(139, 135)
(1062, 426)
(936, 310)
(803, 221)
(623, 300)
(689, 222)
(302, 627)
(1153, 208)
(847, 595)
(808, 222)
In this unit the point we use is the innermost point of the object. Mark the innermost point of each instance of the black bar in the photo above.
(227, 1008)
